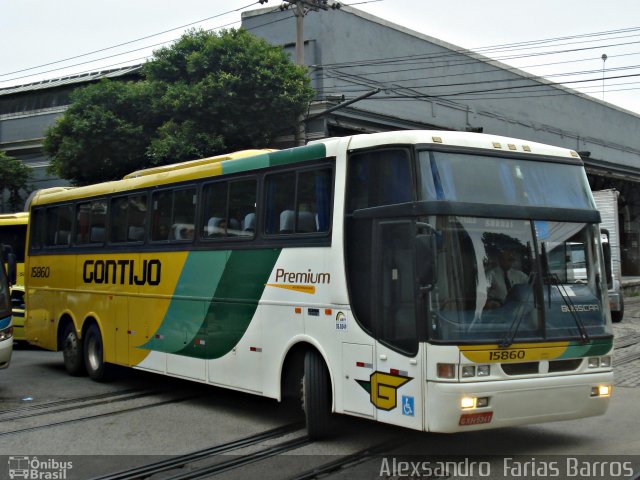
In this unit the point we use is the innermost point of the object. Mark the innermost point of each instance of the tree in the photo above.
(209, 93)
(14, 176)
(103, 134)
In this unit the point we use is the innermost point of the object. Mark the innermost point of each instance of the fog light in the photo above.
(594, 362)
(482, 402)
(467, 402)
(446, 370)
(601, 391)
(604, 390)
(484, 370)
(468, 371)
(605, 362)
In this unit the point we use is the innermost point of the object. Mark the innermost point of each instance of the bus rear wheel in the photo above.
(94, 354)
(316, 396)
(72, 351)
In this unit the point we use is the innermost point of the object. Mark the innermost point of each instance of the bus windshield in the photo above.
(505, 181)
(506, 280)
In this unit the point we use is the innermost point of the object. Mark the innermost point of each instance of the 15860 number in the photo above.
(40, 272)
(507, 355)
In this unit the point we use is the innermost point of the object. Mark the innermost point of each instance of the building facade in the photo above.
(401, 79)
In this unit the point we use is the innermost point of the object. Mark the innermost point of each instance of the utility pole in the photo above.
(604, 59)
(300, 9)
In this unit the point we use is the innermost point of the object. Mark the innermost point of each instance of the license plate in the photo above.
(475, 418)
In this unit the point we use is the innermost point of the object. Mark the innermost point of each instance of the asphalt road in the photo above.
(141, 418)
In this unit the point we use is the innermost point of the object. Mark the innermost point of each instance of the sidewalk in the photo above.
(626, 355)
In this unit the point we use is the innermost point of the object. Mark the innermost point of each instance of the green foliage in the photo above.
(103, 134)
(14, 176)
(207, 94)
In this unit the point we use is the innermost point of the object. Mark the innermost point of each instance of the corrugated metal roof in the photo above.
(71, 79)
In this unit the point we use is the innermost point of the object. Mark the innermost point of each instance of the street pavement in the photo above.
(626, 354)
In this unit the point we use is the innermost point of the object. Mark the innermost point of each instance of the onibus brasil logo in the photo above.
(38, 469)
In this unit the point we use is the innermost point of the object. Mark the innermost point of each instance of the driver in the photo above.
(502, 278)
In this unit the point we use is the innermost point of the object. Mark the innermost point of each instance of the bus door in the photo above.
(397, 385)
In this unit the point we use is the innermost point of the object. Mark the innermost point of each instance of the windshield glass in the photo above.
(455, 177)
(503, 280)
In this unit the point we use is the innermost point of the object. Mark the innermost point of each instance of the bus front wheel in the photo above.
(316, 396)
(72, 351)
(94, 354)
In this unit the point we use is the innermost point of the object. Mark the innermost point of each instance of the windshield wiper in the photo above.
(510, 336)
(552, 279)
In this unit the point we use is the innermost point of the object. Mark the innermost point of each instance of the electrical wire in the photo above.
(127, 43)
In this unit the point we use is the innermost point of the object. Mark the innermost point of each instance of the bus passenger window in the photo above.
(299, 202)
(128, 218)
(90, 217)
(174, 214)
(58, 225)
(281, 191)
(37, 229)
(242, 208)
(229, 209)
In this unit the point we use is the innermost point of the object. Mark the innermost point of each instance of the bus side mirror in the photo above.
(425, 260)
(606, 254)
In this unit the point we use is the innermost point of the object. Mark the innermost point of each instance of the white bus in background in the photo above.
(607, 205)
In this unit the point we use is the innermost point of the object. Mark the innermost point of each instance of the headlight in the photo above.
(6, 333)
(468, 371)
(599, 362)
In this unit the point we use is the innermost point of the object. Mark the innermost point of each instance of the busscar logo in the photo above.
(383, 389)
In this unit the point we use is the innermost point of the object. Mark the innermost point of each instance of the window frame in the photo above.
(298, 170)
(203, 213)
(173, 188)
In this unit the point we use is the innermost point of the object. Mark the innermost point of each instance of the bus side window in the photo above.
(299, 202)
(229, 209)
(37, 222)
(174, 214)
(242, 207)
(58, 225)
(90, 221)
(280, 193)
(128, 218)
(378, 177)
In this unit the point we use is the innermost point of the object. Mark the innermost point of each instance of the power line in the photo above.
(125, 43)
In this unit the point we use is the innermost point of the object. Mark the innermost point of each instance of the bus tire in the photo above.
(616, 316)
(94, 354)
(316, 396)
(72, 351)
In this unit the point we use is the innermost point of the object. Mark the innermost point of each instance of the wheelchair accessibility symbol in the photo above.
(407, 406)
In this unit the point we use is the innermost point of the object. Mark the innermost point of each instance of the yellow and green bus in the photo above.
(13, 232)
(364, 268)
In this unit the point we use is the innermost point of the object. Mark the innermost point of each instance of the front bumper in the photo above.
(515, 402)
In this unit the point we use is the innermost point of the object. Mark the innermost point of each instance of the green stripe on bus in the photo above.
(272, 159)
(594, 348)
(300, 154)
(245, 164)
(234, 281)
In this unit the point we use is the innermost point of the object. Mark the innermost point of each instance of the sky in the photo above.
(565, 39)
